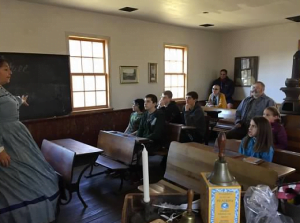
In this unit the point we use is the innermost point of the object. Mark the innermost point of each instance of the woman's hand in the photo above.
(4, 159)
(24, 100)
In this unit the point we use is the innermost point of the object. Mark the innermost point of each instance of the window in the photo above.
(175, 71)
(89, 73)
(245, 71)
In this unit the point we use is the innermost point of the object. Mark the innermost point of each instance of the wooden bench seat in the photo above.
(185, 162)
(117, 153)
(291, 159)
(110, 164)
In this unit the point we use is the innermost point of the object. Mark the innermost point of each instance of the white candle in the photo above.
(145, 175)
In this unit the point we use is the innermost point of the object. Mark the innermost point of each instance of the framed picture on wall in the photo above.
(129, 74)
(152, 72)
(245, 71)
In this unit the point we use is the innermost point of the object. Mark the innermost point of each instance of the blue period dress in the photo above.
(29, 185)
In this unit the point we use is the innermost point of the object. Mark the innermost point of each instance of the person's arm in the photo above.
(238, 113)
(222, 102)
(209, 101)
(270, 103)
(134, 133)
(241, 149)
(126, 129)
(136, 125)
(128, 124)
(140, 131)
(282, 138)
(174, 113)
(268, 156)
(191, 118)
(230, 90)
(158, 128)
(22, 100)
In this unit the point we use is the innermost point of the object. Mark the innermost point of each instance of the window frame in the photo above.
(105, 74)
(184, 68)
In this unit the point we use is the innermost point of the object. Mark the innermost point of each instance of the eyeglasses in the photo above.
(215, 89)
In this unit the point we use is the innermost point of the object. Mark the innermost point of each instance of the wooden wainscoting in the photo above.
(83, 127)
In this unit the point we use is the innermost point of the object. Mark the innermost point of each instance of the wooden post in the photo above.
(299, 44)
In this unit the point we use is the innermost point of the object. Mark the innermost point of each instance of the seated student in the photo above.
(258, 142)
(193, 115)
(153, 122)
(169, 107)
(135, 117)
(216, 98)
(279, 133)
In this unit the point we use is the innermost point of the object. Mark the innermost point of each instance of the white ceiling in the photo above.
(224, 14)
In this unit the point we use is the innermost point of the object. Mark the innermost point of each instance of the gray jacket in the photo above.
(195, 118)
(257, 107)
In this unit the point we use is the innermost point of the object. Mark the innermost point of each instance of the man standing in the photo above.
(153, 121)
(250, 107)
(169, 107)
(193, 115)
(226, 86)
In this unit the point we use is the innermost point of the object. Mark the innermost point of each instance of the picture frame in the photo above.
(245, 71)
(129, 74)
(152, 72)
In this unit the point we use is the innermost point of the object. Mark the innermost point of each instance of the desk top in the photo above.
(78, 147)
(281, 170)
(187, 127)
(122, 134)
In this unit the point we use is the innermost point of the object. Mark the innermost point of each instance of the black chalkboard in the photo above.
(45, 79)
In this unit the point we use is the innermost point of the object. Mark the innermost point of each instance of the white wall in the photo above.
(275, 46)
(34, 28)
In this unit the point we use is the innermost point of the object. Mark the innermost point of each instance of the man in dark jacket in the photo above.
(153, 121)
(193, 116)
(169, 107)
(226, 86)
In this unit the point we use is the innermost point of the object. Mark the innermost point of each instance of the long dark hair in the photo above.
(2, 61)
(140, 103)
(264, 138)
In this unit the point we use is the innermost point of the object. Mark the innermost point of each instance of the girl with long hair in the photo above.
(259, 142)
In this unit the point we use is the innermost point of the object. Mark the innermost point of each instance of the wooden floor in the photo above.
(102, 195)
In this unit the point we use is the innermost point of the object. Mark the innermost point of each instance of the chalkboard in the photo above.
(45, 79)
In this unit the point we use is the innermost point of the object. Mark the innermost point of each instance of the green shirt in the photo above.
(134, 122)
(152, 126)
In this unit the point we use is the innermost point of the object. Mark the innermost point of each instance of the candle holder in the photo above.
(147, 214)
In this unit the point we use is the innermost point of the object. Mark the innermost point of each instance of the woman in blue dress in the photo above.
(28, 184)
(259, 141)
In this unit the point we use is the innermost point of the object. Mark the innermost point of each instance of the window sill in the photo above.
(91, 111)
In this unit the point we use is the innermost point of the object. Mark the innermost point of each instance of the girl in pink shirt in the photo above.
(279, 133)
